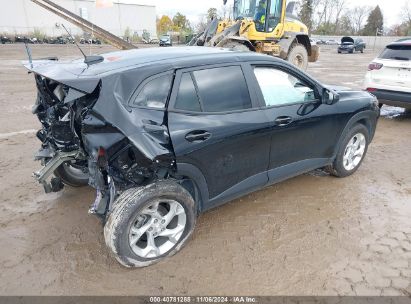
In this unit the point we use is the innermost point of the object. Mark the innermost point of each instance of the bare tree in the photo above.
(202, 23)
(358, 16)
(406, 12)
(338, 7)
(327, 13)
(225, 11)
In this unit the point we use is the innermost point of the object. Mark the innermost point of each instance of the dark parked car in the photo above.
(166, 40)
(350, 45)
(90, 41)
(58, 40)
(19, 39)
(166, 134)
(5, 39)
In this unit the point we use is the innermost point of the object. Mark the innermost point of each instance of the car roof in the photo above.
(178, 57)
(403, 41)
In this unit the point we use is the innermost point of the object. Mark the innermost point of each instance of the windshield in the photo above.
(397, 52)
(265, 13)
(245, 8)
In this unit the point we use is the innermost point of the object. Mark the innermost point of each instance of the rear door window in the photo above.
(187, 98)
(222, 89)
(397, 52)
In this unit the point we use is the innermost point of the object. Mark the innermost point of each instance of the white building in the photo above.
(24, 16)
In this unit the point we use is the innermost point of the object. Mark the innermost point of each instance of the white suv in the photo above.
(389, 75)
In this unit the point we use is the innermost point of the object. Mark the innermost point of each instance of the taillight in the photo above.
(371, 89)
(101, 158)
(375, 66)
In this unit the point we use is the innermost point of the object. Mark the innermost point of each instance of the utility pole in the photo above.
(377, 32)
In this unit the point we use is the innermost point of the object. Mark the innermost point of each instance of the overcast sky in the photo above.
(191, 8)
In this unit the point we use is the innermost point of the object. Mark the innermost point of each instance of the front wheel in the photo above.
(150, 223)
(298, 56)
(351, 152)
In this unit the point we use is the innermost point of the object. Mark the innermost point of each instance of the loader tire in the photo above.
(298, 56)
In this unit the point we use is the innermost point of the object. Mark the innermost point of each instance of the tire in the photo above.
(127, 230)
(362, 51)
(71, 176)
(298, 56)
(352, 52)
(341, 167)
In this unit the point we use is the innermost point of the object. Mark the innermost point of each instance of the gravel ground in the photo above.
(310, 235)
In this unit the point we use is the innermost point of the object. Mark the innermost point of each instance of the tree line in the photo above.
(336, 17)
(322, 17)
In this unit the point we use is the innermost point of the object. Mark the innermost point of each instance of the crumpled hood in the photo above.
(67, 73)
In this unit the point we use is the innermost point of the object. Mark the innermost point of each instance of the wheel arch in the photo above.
(304, 40)
(365, 118)
(290, 39)
(199, 189)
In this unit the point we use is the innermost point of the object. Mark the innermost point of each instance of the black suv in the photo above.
(165, 134)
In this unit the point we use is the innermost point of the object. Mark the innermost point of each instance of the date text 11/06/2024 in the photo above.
(203, 299)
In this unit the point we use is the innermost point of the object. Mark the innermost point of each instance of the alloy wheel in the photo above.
(354, 151)
(157, 228)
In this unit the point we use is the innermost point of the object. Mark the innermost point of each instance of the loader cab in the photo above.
(266, 14)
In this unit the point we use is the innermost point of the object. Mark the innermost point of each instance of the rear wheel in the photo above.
(72, 174)
(150, 223)
(298, 56)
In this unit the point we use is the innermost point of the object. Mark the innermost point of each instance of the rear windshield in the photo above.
(398, 52)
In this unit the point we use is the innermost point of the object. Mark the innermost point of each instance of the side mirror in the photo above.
(330, 97)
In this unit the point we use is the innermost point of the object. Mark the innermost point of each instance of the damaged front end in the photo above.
(87, 128)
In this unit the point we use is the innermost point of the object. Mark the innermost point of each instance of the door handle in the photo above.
(282, 121)
(198, 135)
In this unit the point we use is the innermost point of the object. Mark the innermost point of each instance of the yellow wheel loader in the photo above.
(264, 26)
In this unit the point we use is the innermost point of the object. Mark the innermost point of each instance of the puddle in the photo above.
(395, 112)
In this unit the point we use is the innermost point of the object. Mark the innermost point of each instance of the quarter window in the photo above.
(222, 89)
(280, 88)
(154, 93)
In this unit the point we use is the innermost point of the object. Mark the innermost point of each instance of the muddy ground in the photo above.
(311, 235)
